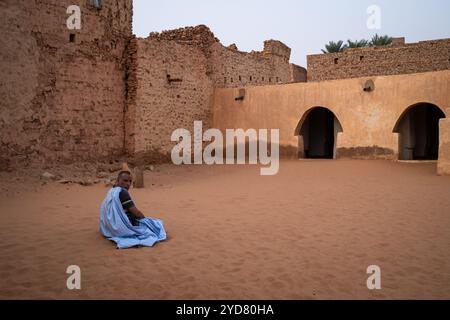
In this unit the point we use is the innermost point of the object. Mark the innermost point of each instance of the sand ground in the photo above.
(309, 232)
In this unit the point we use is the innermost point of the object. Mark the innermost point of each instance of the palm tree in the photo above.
(334, 47)
(380, 40)
(357, 44)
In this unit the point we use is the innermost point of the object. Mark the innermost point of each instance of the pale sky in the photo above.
(305, 26)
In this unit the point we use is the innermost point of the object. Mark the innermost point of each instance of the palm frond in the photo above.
(357, 44)
(334, 47)
(380, 40)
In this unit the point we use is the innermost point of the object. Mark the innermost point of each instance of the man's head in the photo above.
(124, 179)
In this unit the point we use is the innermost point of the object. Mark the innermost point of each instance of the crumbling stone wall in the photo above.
(396, 59)
(63, 96)
(232, 68)
(172, 77)
(298, 74)
(227, 66)
(368, 121)
(171, 89)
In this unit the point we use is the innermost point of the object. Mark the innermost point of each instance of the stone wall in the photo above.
(367, 119)
(232, 68)
(172, 90)
(298, 74)
(172, 78)
(63, 95)
(444, 147)
(395, 59)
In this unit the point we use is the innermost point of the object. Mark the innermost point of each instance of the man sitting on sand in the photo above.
(124, 181)
(123, 223)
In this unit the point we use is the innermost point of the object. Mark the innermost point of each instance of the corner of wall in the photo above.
(443, 166)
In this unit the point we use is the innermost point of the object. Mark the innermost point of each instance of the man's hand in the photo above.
(136, 213)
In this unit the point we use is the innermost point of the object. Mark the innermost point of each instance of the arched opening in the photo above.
(317, 132)
(418, 132)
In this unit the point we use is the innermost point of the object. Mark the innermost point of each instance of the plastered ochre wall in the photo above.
(367, 118)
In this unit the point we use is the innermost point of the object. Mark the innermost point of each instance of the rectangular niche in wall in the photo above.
(241, 95)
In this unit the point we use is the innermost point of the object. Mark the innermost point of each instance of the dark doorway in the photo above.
(418, 130)
(319, 132)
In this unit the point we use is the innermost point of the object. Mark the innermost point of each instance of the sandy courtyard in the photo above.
(309, 232)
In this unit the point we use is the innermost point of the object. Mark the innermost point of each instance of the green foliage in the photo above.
(357, 44)
(334, 47)
(380, 40)
(339, 46)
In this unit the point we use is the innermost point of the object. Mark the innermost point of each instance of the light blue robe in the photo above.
(115, 225)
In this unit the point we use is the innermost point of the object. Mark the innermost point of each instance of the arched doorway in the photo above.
(418, 132)
(317, 131)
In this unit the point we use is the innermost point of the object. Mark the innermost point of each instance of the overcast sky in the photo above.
(305, 26)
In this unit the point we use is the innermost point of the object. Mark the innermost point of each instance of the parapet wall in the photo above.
(298, 74)
(277, 48)
(230, 68)
(63, 96)
(395, 59)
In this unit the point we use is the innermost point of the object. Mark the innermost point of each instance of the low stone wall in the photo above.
(408, 58)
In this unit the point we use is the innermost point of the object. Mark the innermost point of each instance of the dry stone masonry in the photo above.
(100, 93)
(398, 58)
(172, 77)
(62, 91)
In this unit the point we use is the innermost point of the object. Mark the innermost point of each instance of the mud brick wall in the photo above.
(62, 100)
(172, 78)
(170, 89)
(384, 60)
(298, 74)
(232, 68)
